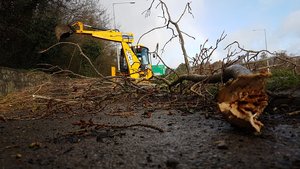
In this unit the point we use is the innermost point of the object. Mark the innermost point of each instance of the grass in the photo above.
(283, 79)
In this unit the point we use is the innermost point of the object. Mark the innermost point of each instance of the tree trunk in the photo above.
(242, 99)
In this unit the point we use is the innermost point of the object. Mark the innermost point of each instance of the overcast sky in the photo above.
(238, 18)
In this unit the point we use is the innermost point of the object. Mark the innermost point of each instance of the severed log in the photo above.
(243, 97)
(231, 72)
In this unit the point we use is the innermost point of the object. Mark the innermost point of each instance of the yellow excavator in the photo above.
(134, 60)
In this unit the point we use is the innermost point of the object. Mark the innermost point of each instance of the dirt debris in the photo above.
(195, 134)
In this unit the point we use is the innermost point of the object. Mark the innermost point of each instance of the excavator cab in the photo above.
(142, 54)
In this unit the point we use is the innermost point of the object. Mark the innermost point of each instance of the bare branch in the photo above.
(168, 21)
(188, 35)
(246, 50)
(187, 7)
(81, 53)
(201, 61)
(160, 27)
(163, 48)
(157, 55)
(147, 12)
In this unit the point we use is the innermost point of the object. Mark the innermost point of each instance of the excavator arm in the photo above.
(111, 35)
(133, 62)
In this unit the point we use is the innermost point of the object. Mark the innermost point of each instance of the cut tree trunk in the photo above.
(231, 72)
(243, 97)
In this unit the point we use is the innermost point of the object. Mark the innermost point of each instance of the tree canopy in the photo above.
(27, 26)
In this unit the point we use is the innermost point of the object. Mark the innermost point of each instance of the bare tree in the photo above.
(201, 62)
(173, 25)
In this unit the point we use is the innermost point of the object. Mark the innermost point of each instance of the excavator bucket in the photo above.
(62, 31)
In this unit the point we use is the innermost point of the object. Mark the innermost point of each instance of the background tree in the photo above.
(27, 26)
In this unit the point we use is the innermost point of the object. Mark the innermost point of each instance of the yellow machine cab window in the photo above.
(142, 53)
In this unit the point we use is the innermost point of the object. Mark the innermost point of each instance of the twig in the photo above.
(46, 98)
(85, 56)
(193, 89)
(294, 113)
(60, 70)
(90, 123)
(81, 52)
(169, 21)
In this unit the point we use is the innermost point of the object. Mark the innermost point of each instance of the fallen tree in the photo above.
(243, 97)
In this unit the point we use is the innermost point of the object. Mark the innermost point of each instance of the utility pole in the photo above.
(266, 46)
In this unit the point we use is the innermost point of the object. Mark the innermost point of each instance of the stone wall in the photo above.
(15, 80)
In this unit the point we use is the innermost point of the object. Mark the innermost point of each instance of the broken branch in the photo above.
(90, 123)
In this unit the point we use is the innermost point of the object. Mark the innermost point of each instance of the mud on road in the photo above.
(199, 139)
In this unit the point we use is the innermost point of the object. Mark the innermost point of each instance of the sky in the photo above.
(245, 21)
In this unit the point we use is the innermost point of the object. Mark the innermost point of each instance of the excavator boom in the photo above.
(64, 31)
(136, 66)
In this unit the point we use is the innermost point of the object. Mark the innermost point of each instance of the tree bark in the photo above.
(231, 72)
